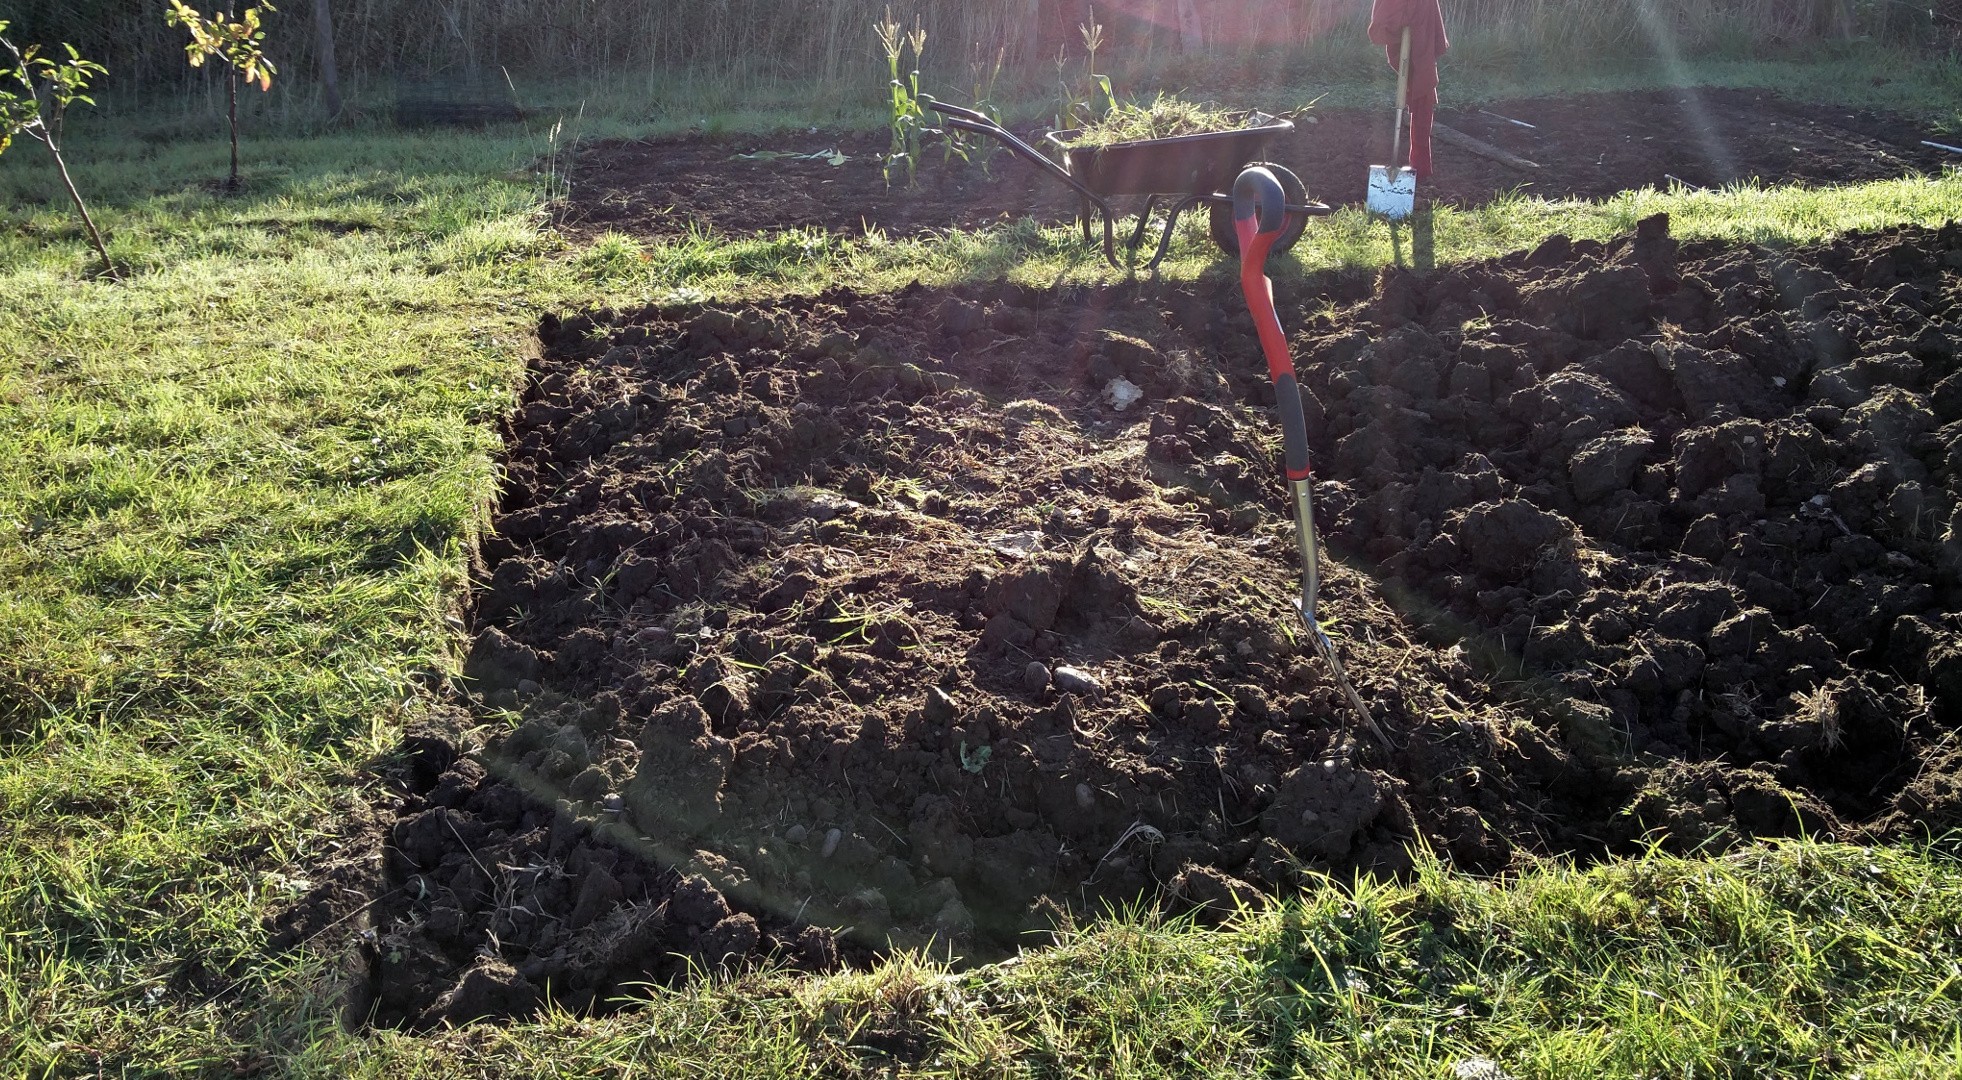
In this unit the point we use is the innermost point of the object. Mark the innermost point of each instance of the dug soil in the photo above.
(1585, 146)
(855, 621)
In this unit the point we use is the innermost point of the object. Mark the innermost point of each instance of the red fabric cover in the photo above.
(1387, 18)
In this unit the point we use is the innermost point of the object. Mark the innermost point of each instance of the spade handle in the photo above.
(1403, 96)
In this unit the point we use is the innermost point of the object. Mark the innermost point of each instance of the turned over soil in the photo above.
(864, 620)
(1587, 146)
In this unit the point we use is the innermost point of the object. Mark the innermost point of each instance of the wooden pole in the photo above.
(323, 43)
(1480, 147)
(1192, 33)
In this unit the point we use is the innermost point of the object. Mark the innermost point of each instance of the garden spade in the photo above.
(1393, 194)
(1259, 215)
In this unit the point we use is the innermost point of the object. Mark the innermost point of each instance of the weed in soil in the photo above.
(854, 621)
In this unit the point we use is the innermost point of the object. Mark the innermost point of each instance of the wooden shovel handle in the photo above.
(1403, 73)
(1403, 97)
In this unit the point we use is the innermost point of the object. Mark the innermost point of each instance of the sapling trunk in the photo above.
(232, 183)
(95, 235)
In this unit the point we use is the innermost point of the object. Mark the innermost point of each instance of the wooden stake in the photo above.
(1192, 33)
(1480, 147)
(323, 44)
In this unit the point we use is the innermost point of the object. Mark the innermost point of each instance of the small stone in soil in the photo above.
(1121, 393)
(940, 708)
(1085, 797)
(796, 834)
(1036, 675)
(831, 841)
(1076, 681)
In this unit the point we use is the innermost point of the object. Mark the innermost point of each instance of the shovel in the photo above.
(1394, 196)
(1259, 215)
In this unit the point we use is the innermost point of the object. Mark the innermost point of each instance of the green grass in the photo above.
(808, 260)
(1794, 960)
(235, 494)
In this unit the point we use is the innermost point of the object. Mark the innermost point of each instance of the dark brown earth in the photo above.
(853, 620)
(1587, 146)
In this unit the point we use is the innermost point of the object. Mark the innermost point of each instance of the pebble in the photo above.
(796, 834)
(613, 806)
(1121, 393)
(1036, 675)
(1076, 681)
(831, 842)
(1085, 797)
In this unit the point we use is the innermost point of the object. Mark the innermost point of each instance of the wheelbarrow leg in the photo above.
(1171, 226)
(1144, 222)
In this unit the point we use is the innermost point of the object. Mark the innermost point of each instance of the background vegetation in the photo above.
(830, 40)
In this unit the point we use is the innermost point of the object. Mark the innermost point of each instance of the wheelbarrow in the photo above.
(1188, 169)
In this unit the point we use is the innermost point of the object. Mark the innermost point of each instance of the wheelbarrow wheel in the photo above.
(1221, 224)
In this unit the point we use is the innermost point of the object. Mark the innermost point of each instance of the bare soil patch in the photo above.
(1587, 146)
(864, 619)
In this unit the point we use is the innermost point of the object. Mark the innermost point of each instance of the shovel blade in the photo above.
(1393, 196)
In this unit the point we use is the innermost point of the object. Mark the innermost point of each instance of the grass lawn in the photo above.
(236, 493)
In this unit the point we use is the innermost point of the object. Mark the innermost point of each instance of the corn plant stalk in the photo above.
(907, 119)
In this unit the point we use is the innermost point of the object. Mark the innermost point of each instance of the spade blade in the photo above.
(1392, 196)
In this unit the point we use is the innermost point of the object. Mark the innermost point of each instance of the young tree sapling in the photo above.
(241, 45)
(37, 112)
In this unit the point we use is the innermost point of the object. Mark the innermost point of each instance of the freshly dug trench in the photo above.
(873, 614)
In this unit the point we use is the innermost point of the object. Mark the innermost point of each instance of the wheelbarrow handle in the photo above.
(954, 110)
(968, 120)
(977, 123)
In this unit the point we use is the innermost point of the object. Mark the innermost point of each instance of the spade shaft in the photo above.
(1259, 214)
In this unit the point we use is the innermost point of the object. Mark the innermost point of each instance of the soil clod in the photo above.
(791, 654)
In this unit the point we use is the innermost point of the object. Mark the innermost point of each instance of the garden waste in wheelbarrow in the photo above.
(1191, 169)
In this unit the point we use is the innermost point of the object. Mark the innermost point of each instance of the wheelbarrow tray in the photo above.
(1197, 164)
(1197, 168)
